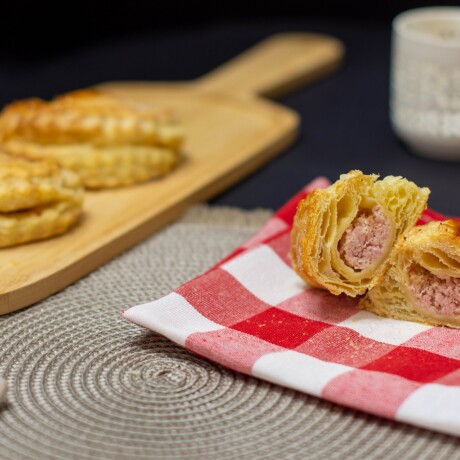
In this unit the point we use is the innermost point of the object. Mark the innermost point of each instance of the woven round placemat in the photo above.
(86, 384)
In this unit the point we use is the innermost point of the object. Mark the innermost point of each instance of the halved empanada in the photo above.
(343, 235)
(422, 282)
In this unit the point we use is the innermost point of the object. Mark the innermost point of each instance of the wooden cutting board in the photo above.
(230, 131)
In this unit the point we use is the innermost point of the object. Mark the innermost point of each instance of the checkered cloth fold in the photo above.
(253, 314)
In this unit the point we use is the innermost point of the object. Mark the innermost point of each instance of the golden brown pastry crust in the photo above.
(109, 143)
(38, 199)
(434, 248)
(25, 184)
(103, 167)
(324, 215)
(38, 223)
(88, 116)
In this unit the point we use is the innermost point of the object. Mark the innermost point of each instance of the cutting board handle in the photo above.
(278, 64)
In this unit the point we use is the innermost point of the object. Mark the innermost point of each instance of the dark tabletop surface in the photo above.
(345, 117)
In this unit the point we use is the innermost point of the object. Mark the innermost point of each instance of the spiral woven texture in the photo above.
(85, 384)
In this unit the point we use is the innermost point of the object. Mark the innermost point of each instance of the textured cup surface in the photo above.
(425, 81)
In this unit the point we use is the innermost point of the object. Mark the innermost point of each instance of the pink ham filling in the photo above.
(438, 294)
(366, 239)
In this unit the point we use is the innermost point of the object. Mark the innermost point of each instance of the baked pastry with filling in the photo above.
(422, 280)
(343, 235)
(109, 143)
(38, 199)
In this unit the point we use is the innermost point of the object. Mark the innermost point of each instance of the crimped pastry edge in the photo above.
(103, 167)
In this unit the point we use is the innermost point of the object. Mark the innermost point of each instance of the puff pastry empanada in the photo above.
(342, 236)
(38, 223)
(108, 142)
(89, 116)
(38, 200)
(25, 184)
(422, 281)
(103, 167)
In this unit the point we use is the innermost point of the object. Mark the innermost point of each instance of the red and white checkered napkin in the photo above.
(253, 314)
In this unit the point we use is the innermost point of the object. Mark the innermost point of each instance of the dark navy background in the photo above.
(345, 119)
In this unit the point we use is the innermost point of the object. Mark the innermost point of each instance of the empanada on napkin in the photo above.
(343, 235)
(422, 281)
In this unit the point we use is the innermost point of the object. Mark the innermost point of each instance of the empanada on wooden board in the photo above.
(229, 132)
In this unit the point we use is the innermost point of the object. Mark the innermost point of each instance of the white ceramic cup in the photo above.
(425, 81)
